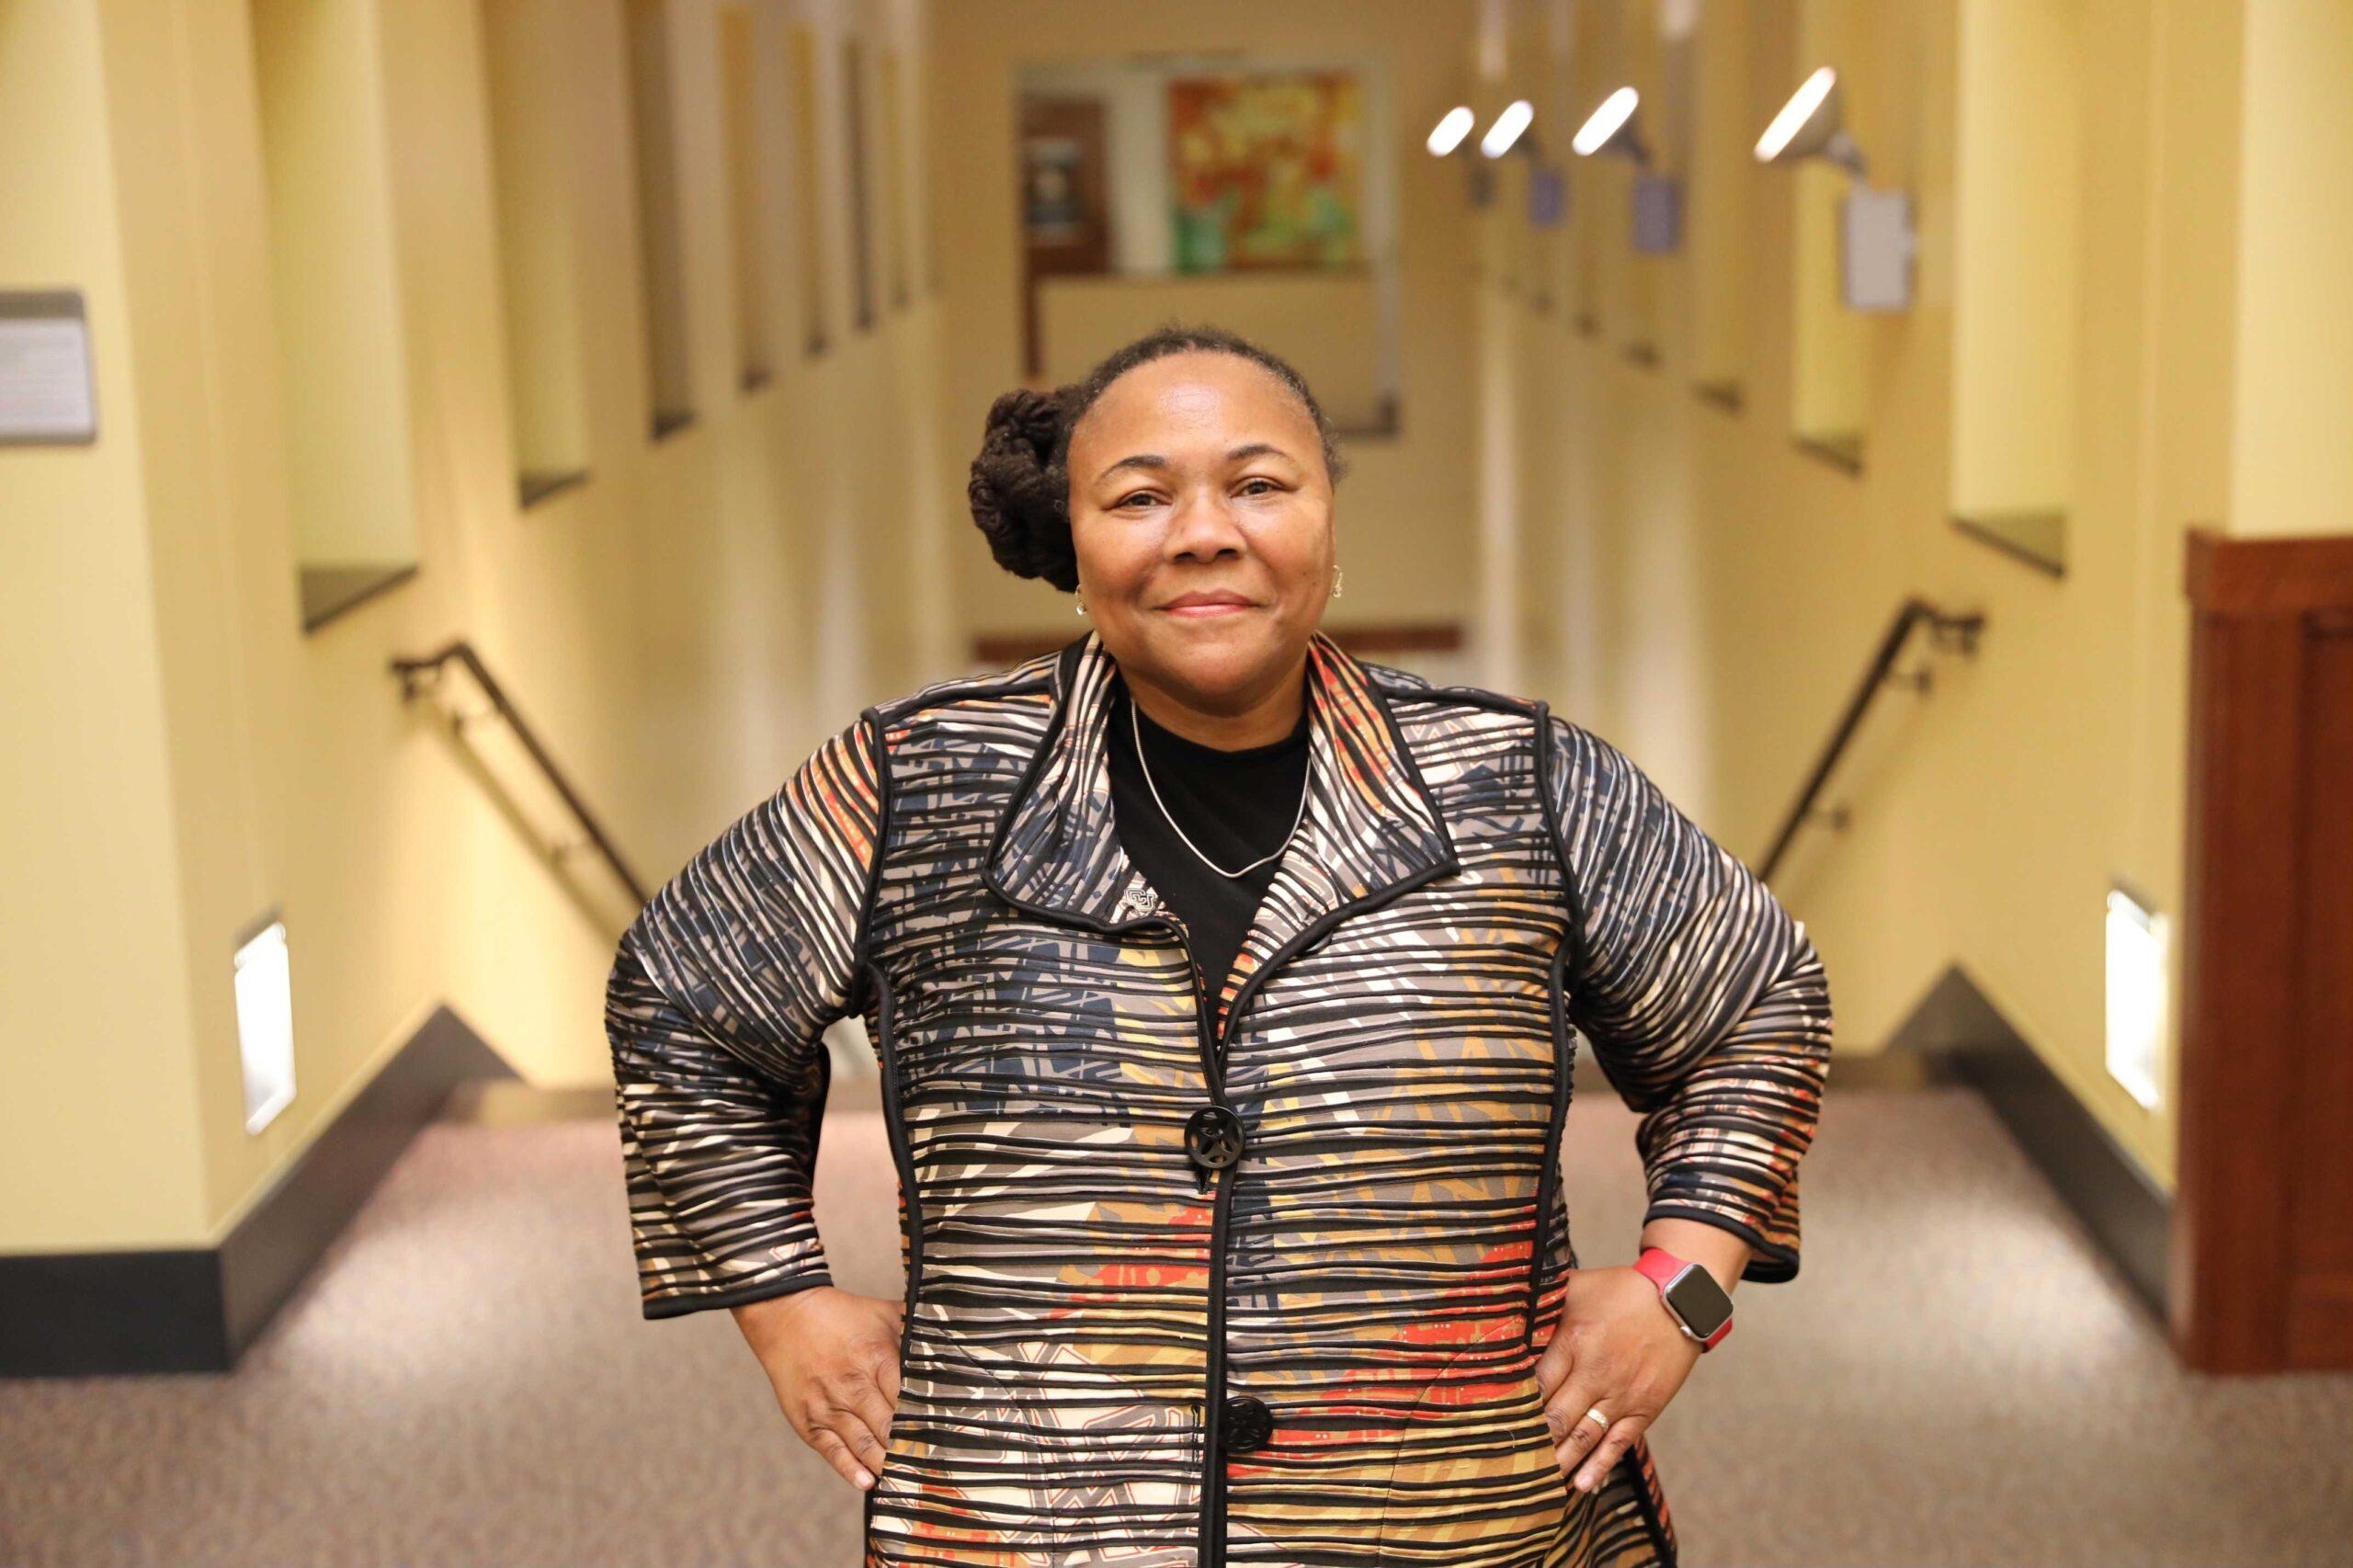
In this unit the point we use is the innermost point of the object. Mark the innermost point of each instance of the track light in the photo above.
(1450, 136)
(1812, 125)
(1658, 199)
(1876, 241)
(1452, 127)
(1507, 129)
(1610, 129)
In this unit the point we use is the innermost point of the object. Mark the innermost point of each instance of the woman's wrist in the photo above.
(1713, 1248)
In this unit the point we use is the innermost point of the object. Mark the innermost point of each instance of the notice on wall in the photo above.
(1876, 249)
(47, 397)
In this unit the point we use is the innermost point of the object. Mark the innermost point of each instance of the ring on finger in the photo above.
(1595, 1415)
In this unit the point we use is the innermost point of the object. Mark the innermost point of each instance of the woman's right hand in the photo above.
(833, 1358)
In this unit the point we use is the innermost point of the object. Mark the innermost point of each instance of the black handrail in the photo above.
(1912, 613)
(414, 676)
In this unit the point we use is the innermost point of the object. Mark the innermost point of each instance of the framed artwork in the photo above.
(1266, 171)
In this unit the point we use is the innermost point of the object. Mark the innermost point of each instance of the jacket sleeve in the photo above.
(1706, 1003)
(717, 998)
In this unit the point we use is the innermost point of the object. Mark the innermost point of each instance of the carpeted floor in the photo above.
(1954, 1379)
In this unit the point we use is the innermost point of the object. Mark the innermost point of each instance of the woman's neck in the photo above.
(1255, 719)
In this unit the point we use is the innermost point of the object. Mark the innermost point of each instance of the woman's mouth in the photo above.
(1204, 605)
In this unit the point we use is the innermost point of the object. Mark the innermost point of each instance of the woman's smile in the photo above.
(1208, 603)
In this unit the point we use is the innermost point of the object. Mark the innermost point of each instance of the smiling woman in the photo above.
(1199, 510)
(1225, 990)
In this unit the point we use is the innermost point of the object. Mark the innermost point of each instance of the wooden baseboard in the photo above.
(2127, 1215)
(196, 1309)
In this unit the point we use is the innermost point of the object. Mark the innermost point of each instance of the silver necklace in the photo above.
(1135, 729)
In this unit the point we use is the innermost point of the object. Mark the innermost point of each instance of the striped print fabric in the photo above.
(719, 991)
(1323, 1353)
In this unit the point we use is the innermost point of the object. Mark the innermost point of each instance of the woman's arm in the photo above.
(1709, 1009)
(1705, 1002)
(718, 1158)
(1712, 1248)
(716, 1004)
(716, 1007)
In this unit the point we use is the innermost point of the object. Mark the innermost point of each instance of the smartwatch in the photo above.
(1699, 1305)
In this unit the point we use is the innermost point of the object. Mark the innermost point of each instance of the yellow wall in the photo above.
(98, 1053)
(1328, 327)
(1718, 592)
(1408, 511)
(682, 627)
(686, 624)
(2293, 469)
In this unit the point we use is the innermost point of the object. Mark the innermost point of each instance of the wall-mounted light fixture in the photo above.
(1450, 137)
(1510, 132)
(1812, 125)
(1513, 130)
(1611, 128)
(2138, 937)
(265, 996)
(1876, 239)
(1451, 128)
(1505, 131)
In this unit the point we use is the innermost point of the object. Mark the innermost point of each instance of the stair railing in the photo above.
(1949, 631)
(419, 676)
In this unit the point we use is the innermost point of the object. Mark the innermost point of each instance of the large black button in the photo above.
(1248, 1423)
(1213, 1137)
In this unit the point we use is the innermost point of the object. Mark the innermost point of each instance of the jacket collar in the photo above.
(1371, 829)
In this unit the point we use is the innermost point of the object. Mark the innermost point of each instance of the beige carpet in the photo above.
(1954, 1379)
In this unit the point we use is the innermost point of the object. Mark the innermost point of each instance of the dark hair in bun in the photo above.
(1020, 487)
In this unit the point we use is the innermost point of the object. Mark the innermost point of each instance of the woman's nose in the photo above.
(1203, 526)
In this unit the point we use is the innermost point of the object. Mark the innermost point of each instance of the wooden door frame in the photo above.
(2264, 971)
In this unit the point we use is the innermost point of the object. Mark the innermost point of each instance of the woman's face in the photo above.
(1200, 512)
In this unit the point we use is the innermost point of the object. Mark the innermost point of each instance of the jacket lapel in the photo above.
(1056, 851)
(1370, 832)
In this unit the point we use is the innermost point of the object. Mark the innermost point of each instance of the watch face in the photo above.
(1699, 1301)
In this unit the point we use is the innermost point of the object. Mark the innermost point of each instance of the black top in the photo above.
(1236, 805)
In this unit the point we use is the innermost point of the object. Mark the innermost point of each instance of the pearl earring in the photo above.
(1335, 582)
(1081, 606)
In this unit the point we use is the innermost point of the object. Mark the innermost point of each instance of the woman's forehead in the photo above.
(1219, 395)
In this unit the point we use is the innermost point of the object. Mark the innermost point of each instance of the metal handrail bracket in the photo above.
(418, 674)
(1955, 631)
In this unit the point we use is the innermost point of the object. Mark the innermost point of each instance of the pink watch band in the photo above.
(1661, 1267)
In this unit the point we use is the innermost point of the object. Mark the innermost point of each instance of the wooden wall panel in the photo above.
(2263, 1242)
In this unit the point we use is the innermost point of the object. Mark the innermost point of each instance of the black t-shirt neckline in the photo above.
(1237, 805)
(1162, 740)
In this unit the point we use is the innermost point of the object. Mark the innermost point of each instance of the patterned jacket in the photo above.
(1254, 1278)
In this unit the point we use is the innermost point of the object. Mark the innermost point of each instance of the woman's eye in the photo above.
(1132, 497)
(1269, 483)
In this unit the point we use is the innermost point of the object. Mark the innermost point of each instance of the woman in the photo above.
(1224, 989)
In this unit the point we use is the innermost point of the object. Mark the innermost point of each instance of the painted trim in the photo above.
(1966, 1039)
(196, 1309)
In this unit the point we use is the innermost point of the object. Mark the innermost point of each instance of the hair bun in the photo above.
(1030, 419)
(1020, 495)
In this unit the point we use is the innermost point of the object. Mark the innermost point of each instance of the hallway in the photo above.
(457, 456)
(1955, 1380)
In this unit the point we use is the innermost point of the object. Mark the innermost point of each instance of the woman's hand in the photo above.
(833, 1358)
(1618, 1350)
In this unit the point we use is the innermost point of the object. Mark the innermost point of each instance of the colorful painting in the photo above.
(1265, 170)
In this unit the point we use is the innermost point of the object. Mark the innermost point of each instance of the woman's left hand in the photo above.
(1617, 1351)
